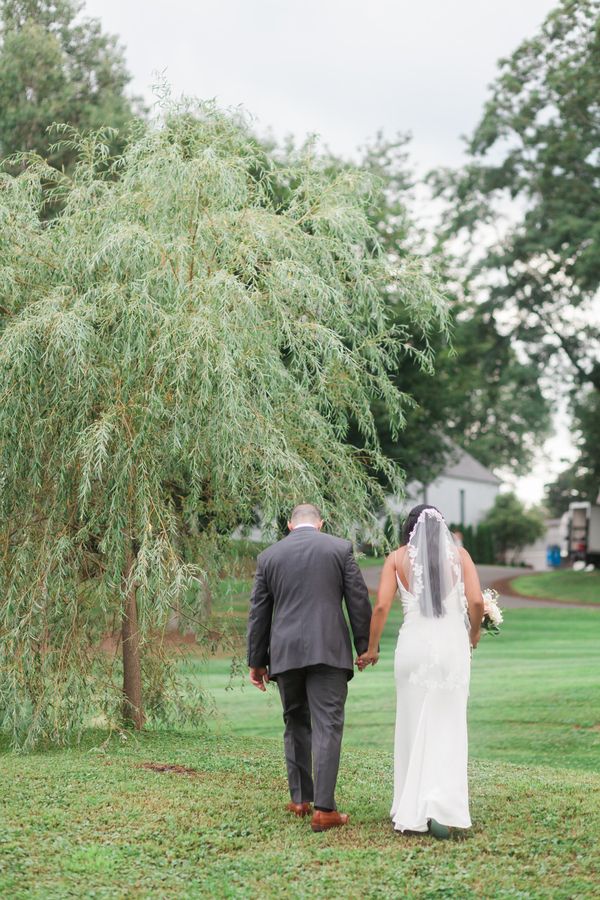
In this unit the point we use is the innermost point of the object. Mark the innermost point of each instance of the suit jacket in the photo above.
(296, 615)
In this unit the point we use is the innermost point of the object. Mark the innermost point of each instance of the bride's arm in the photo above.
(385, 597)
(473, 594)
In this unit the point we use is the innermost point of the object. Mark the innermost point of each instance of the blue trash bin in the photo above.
(553, 556)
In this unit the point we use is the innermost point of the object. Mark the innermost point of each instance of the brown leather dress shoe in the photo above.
(299, 809)
(323, 821)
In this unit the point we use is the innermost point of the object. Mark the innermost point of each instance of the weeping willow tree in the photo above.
(176, 348)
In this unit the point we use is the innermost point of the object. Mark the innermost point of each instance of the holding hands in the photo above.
(369, 658)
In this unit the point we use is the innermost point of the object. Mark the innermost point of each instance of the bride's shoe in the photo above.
(439, 831)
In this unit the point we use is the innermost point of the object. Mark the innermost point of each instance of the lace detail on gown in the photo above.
(428, 676)
(433, 672)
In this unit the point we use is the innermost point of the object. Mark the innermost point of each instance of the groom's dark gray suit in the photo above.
(297, 629)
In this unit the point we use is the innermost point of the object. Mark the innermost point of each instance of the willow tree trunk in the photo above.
(207, 598)
(133, 712)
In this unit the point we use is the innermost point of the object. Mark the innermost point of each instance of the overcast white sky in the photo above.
(341, 68)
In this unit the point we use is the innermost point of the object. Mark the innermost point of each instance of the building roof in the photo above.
(462, 465)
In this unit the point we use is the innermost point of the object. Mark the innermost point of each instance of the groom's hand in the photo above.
(366, 659)
(259, 677)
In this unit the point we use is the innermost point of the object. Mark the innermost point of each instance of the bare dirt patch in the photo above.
(173, 640)
(169, 768)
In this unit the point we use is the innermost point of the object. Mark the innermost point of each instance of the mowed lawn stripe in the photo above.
(565, 585)
(535, 693)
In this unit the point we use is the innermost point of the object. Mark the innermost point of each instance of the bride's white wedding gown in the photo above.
(432, 670)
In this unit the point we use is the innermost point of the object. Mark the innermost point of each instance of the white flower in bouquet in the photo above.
(492, 614)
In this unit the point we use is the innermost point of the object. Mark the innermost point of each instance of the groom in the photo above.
(298, 637)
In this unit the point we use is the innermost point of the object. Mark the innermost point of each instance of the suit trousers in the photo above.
(313, 701)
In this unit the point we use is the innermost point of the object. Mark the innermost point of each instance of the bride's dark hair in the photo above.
(411, 519)
(432, 532)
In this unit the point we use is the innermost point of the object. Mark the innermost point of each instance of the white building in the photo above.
(464, 492)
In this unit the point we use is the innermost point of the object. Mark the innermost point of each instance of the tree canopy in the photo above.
(482, 394)
(524, 216)
(56, 66)
(512, 525)
(175, 349)
(529, 197)
(581, 480)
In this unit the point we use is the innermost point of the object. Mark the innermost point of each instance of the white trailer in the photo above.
(583, 532)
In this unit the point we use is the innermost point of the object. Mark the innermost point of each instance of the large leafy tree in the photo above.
(529, 199)
(56, 66)
(174, 348)
(581, 481)
(527, 207)
(481, 394)
(512, 526)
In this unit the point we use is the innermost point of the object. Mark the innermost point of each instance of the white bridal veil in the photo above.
(432, 563)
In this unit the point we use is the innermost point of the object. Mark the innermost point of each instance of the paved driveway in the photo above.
(489, 575)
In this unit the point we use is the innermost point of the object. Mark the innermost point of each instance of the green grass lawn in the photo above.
(566, 585)
(367, 562)
(94, 822)
(535, 694)
(84, 823)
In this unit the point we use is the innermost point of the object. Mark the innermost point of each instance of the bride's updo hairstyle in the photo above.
(432, 531)
(412, 518)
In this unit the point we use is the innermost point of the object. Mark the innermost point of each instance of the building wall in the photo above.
(535, 555)
(458, 499)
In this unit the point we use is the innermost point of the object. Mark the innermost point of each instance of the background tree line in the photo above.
(526, 213)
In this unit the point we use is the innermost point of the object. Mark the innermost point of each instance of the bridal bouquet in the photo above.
(492, 614)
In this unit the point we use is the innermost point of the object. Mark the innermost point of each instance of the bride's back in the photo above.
(428, 566)
(453, 602)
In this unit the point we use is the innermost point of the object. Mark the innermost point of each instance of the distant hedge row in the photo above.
(478, 540)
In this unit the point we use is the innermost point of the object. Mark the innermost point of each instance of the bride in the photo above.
(443, 610)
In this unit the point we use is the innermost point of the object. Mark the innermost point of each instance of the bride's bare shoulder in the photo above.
(396, 556)
(468, 566)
